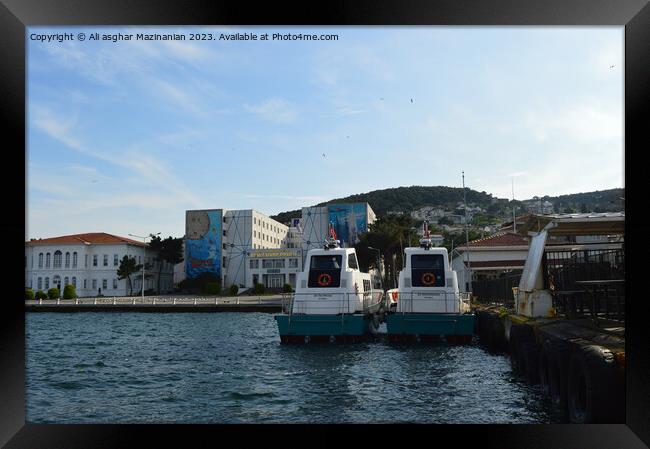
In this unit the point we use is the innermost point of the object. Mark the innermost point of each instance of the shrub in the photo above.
(259, 289)
(287, 288)
(147, 292)
(233, 290)
(53, 293)
(40, 295)
(69, 292)
(29, 293)
(212, 288)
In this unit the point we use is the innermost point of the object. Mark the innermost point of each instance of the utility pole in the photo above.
(514, 215)
(469, 269)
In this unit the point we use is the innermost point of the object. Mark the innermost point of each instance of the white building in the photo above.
(90, 263)
(221, 242)
(273, 267)
(218, 241)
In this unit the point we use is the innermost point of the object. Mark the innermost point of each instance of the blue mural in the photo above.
(203, 243)
(348, 220)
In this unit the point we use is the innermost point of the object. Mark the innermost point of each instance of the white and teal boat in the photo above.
(334, 301)
(429, 305)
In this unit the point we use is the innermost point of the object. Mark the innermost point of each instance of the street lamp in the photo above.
(144, 245)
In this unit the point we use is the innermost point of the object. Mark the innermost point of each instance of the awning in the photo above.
(577, 224)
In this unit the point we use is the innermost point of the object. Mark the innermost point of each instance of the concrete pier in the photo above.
(158, 304)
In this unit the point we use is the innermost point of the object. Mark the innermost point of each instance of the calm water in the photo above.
(231, 368)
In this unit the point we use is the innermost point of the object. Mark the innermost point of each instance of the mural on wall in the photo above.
(203, 242)
(348, 220)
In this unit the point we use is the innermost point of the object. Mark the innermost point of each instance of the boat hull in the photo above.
(453, 327)
(323, 328)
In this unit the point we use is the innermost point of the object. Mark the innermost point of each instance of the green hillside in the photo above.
(406, 199)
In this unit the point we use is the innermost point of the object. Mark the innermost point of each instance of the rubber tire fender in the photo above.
(596, 389)
(558, 353)
(528, 361)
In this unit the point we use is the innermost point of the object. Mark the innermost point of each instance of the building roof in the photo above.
(500, 239)
(91, 238)
(592, 223)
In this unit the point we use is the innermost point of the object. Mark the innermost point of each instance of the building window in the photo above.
(105, 260)
(74, 281)
(47, 260)
(267, 263)
(293, 263)
(278, 263)
(95, 260)
(40, 283)
(57, 259)
(104, 284)
(94, 284)
(85, 283)
(139, 259)
(74, 260)
(114, 284)
(225, 265)
(66, 281)
(47, 283)
(224, 246)
(67, 260)
(40, 260)
(85, 260)
(115, 261)
(255, 263)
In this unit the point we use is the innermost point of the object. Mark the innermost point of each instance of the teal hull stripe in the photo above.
(322, 324)
(430, 324)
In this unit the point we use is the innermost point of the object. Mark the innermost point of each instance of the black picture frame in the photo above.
(634, 15)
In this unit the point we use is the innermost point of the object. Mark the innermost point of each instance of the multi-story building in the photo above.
(225, 242)
(217, 241)
(273, 267)
(90, 263)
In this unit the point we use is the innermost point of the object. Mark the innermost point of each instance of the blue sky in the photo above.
(124, 137)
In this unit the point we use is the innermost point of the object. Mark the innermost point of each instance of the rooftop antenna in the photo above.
(469, 269)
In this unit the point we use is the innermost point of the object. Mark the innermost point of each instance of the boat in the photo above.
(334, 301)
(429, 306)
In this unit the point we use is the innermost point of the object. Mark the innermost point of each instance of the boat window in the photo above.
(433, 261)
(325, 271)
(325, 262)
(427, 270)
(352, 261)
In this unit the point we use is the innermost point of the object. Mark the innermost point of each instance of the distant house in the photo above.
(488, 257)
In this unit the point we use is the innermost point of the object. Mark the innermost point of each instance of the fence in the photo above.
(586, 282)
(582, 283)
(497, 291)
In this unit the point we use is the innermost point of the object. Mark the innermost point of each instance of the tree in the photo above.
(29, 293)
(390, 234)
(169, 250)
(69, 292)
(128, 267)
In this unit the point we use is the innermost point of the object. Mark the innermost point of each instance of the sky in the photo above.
(124, 137)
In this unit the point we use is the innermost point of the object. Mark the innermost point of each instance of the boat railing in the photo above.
(332, 303)
(452, 300)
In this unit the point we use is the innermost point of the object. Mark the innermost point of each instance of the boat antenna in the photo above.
(331, 241)
(469, 269)
(425, 242)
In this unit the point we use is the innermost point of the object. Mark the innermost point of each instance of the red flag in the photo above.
(332, 231)
(426, 230)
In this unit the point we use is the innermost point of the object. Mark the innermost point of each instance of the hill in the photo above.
(406, 199)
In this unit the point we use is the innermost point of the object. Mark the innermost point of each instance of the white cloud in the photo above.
(275, 110)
